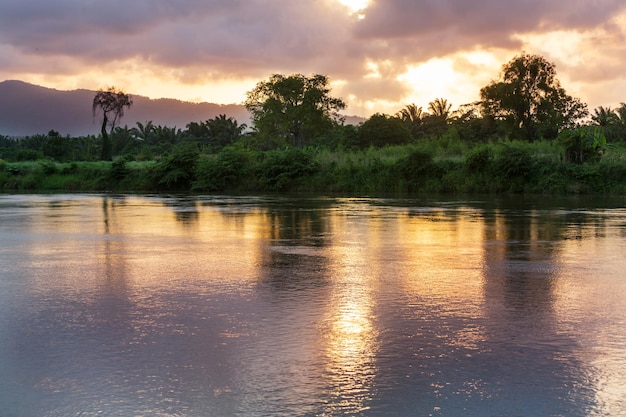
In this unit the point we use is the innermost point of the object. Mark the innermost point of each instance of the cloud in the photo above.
(490, 22)
(228, 35)
(195, 42)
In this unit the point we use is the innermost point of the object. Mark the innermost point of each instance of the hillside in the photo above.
(27, 109)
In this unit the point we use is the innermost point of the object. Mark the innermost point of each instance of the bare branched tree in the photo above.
(111, 102)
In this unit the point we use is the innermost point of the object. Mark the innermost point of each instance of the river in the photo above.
(124, 305)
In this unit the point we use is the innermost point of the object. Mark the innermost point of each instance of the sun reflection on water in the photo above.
(352, 336)
(351, 354)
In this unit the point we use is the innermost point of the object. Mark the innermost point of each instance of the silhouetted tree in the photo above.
(530, 98)
(111, 103)
(440, 107)
(413, 118)
(436, 120)
(604, 116)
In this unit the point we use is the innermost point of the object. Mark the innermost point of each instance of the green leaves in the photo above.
(531, 99)
(295, 108)
(585, 144)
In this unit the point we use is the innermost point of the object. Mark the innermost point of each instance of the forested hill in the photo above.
(27, 109)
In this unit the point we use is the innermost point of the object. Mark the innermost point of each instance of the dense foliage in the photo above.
(530, 99)
(294, 109)
(526, 135)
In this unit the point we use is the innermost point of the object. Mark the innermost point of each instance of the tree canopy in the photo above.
(295, 108)
(531, 100)
(381, 129)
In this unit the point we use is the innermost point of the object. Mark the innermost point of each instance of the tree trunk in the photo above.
(299, 139)
(106, 154)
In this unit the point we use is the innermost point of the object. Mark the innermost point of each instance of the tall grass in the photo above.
(442, 165)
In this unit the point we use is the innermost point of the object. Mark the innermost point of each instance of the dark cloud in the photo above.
(436, 27)
(229, 36)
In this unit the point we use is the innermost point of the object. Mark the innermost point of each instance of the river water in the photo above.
(292, 306)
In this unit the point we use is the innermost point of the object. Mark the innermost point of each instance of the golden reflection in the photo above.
(352, 337)
(442, 244)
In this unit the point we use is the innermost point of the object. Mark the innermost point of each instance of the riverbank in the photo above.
(507, 167)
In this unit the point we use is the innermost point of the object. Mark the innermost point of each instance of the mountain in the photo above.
(27, 109)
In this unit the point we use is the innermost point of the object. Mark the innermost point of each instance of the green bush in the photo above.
(119, 169)
(280, 170)
(48, 167)
(479, 159)
(228, 170)
(176, 172)
(514, 161)
(584, 144)
(417, 170)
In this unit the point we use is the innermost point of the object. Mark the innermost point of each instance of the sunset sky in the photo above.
(379, 54)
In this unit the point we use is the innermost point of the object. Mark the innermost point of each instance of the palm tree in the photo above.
(165, 134)
(620, 113)
(413, 117)
(111, 102)
(604, 116)
(411, 113)
(143, 131)
(440, 108)
(437, 119)
(197, 130)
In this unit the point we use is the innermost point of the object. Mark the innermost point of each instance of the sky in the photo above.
(380, 55)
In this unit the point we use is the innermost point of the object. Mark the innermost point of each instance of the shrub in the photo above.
(176, 171)
(584, 144)
(227, 170)
(119, 169)
(417, 168)
(513, 162)
(48, 167)
(281, 169)
(479, 159)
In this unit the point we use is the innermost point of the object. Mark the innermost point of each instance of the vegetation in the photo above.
(525, 136)
(111, 103)
(293, 109)
(531, 100)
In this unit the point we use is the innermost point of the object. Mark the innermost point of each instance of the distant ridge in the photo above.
(27, 109)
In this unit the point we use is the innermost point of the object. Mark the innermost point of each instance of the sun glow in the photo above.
(355, 6)
(458, 78)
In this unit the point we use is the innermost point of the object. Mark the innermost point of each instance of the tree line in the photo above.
(526, 103)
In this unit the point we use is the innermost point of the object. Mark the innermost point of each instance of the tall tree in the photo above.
(530, 98)
(436, 120)
(293, 108)
(111, 103)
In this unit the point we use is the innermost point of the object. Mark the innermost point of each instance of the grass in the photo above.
(440, 165)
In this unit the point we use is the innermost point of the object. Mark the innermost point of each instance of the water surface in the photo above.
(277, 306)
